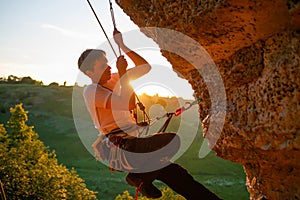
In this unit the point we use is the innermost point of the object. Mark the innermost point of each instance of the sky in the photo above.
(43, 39)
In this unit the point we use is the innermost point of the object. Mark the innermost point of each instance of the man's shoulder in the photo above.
(89, 88)
(94, 88)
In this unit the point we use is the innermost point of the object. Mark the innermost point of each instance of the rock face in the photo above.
(256, 48)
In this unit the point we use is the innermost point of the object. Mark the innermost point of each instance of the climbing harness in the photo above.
(117, 159)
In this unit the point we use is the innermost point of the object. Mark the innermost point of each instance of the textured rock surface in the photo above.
(256, 47)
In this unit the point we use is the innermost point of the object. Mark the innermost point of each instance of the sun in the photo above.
(153, 88)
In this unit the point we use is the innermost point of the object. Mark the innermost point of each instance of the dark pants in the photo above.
(179, 180)
(183, 183)
(150, 157)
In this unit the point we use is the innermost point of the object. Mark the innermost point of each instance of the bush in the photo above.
(28, 170)
(167, 194)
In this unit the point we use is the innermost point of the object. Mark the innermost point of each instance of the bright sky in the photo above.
(43, 40)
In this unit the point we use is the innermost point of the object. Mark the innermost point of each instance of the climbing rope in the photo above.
(113, 21)
(103, 29)
(2, 192)
(146, 119)
(137, 190)
(169, 116)
(179, 111)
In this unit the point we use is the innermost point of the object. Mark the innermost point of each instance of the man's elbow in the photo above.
(147, 67)
(144, 67)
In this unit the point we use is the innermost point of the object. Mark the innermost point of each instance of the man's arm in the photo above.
(127, 95)
(136, 58)
(126, 99)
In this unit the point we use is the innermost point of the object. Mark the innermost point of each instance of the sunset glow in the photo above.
(41, 40)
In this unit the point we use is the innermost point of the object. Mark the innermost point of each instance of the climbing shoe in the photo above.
(147, 189)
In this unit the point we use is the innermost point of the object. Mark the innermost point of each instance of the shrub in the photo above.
(28, 170)
(167, 194)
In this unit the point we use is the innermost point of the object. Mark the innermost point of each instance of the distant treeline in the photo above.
(11, 79)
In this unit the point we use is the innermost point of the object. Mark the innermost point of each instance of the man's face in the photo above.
(101, 71)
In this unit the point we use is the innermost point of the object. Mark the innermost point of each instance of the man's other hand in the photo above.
(121, 65)
(118, 37)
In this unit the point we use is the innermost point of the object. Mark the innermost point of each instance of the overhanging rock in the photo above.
(255, 46)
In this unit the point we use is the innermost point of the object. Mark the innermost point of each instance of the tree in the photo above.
(27, 80)
(28, 170)
(3, 80)
(13, 79)
(54, 84)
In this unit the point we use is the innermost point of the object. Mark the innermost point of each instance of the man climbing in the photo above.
(110, 104)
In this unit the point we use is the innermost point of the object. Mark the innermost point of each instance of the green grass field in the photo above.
(50, 112)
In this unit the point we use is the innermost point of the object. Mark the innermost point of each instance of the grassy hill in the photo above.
(50, 112)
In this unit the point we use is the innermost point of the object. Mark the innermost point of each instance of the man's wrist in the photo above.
(121, 72)
(124, 48)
